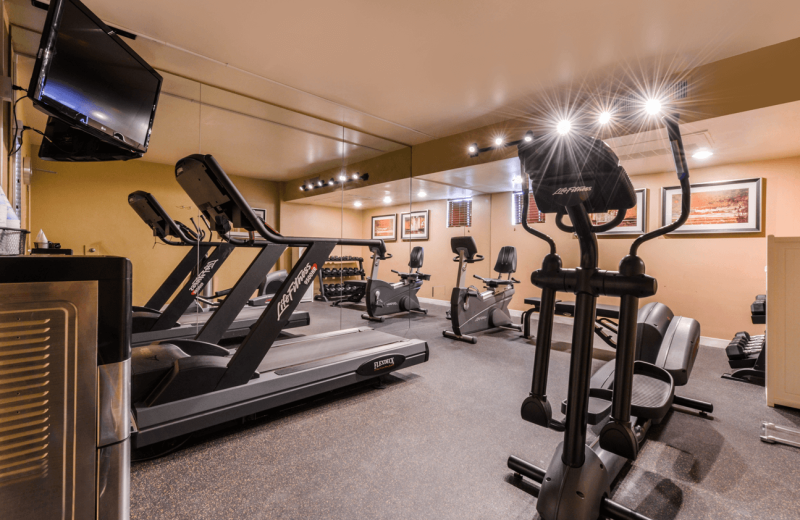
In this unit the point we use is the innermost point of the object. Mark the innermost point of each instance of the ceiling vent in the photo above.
(657, 146)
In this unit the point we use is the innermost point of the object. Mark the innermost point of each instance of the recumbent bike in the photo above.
(384, 298)
(472, 311)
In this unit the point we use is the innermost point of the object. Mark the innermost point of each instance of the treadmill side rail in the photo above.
(270, 390)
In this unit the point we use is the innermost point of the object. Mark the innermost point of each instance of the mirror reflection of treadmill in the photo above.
(156, 321)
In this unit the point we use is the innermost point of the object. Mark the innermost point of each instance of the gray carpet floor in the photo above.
(433, 443)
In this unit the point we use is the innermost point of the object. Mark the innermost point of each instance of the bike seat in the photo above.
(414, 276)
(468, 246)
(506, 260)
(417, 255)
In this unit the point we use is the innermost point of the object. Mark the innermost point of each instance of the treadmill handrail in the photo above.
(173, 229)
(223, 182)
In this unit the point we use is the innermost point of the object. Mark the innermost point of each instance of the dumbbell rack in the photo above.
(353, 297)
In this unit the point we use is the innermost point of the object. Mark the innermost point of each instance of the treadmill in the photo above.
(231, 319)
(179, 387)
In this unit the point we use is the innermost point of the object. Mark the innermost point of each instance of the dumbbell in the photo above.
(743, 346)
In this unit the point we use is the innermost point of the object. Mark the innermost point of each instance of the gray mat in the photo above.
(434, 442)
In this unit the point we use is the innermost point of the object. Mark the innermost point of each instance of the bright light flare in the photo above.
(354, 176)
(652, 106)
(342, 177)
(604, 118)
(357, 204)
(387, 199)
(422, 194)
(703, 154)
(563, 127)
(528, 138)
(472, 149)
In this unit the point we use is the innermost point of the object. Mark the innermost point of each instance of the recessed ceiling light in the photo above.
(342, 177)
(702, 154)
(472, 149)
(528, 138)
(604, 118)
(357, 204)
(354, 176)
(652, 106)
(421, 194)
(387, 199)
(563, 127)
(498, 141)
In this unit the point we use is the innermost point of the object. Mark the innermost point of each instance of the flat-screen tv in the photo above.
(87, 77)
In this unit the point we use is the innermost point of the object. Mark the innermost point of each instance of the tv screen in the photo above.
(88, 77)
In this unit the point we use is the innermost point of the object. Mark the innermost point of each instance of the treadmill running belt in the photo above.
(299, 351)
(200, 318)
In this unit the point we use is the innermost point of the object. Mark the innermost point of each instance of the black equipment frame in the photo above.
(577, 483)
(264, 332)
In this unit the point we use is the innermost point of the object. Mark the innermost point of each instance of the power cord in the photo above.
(24, 129)
(14, 116)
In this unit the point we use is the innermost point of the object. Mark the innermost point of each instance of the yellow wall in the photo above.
(84, 205)
(306, 220)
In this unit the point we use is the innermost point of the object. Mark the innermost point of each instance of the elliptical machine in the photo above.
(472, 311)
(632, 392)
(384, 298)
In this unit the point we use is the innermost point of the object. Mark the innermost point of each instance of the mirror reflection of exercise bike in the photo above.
(384, 298)
(574, 176)
(472, 311)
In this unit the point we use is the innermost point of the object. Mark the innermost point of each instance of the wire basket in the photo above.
(12, 241)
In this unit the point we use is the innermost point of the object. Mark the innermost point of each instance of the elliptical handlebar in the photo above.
(682, 170)
(526, 190)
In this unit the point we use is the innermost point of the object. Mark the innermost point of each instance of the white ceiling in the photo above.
(414, 70)
(768, 133)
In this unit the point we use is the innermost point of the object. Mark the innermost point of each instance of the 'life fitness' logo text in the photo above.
(573, 189)
(197, 283)
(304, 278)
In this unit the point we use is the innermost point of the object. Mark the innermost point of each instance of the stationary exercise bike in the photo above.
(576, 176)
(472, 311)
(384, 298)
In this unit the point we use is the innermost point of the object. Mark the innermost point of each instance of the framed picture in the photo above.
(635, 221)
(717, 207)
(384, 227)
(414, 226)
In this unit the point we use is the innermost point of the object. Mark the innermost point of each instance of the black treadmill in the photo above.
(182, 386)
(231, 319)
